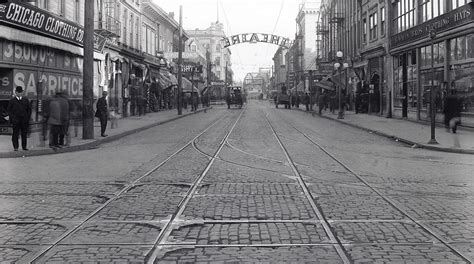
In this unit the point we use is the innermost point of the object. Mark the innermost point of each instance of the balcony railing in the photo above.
(108, 27)
(337, 17)
(322, 29)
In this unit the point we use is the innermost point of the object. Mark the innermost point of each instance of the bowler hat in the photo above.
(105, 93)
(19, 89)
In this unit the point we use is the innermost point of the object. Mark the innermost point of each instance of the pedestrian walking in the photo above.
(306, 101)
(141, 101)
(102, 113)
(452, 111)
(322, 101)
(19, 112)
(58, 119)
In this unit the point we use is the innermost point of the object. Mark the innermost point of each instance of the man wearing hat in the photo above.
(102, 113)
(19, 110)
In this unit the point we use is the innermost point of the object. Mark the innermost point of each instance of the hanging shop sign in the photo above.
(34, 19)
(458, 17)
(256, 38)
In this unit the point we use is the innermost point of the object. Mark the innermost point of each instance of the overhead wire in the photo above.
(228, 26)
(276, 23)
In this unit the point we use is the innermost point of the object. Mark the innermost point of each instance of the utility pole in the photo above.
(180, 61)
(88, 72)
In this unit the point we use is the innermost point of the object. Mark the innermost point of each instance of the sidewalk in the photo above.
(126, 126)
(409, 132)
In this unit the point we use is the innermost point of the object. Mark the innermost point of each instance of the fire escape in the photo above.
(108, 25)
(336, 23)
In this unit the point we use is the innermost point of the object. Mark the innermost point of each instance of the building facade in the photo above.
(279, 68)
(432, 47)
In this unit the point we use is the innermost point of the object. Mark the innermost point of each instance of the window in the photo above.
(364, 30)
(137, 32)
(382, 21)
(149, 39)
(62, 8)
(431, 9)
(218, 61)
(131, 30)
(404, 15)
(438, 55)
(462, 48)
(218, 47)
(77, 11)
(373, 26)
(193, 48)
(124, 23)
(457, 3)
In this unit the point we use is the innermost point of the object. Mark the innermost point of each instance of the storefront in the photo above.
(417, 69)
(40, 60)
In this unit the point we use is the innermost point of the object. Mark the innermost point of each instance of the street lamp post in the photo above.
(339, 66)
(432, 92)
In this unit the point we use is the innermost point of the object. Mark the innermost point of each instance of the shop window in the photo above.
(427, 82)
(438, 55)
(462, 70)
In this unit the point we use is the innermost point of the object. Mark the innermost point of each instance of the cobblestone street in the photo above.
(257, 184)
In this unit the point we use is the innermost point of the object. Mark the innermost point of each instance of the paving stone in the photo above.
(467, 249)
(249, 207)
(425, 189)
(297, 254)
(12, 254)
(402, 253)
(251, 189)
(234, 156)
(339, 189)
(250, 233)
(454, 231)
(226, 172)
(430, 208)
(49, 207)
(139, 208)
(96, 254)
(354, 207)
(381, 232)
(29, 233)
(59, 188)
(160, 189)
(113, 232)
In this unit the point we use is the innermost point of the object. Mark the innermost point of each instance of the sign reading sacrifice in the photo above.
(256, 38)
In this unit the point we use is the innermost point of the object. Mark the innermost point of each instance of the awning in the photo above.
(339, 79)
(166, 79)
(324, 84)
(188, 86)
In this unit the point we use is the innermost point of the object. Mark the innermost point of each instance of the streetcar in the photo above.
(234, 96)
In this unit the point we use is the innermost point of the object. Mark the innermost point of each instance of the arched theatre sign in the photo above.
(256, 38)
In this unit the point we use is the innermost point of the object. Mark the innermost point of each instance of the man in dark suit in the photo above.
(102, 113)
(19, 111)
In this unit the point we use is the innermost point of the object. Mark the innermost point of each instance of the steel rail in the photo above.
(384, 197)
(117, 195)
(166, 231)
(337, 244)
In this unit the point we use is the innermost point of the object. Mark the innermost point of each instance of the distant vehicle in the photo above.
(234, 96)
(282, 97)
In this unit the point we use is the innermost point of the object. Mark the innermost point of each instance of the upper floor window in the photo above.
(218, 61)
(382, 21)
(430, 9)
(62, 7)
(373, 25)
(364, 30)
(218, 47)
(457, 3)
(137, 33)
(404, 15)
(193, 47)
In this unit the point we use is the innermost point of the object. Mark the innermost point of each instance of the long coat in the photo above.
(101, 108)
(19, 110)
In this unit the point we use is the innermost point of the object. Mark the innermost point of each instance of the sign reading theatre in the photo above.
(256, 38)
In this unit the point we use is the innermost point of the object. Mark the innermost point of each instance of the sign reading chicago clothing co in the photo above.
(32, 18)
(458, 17)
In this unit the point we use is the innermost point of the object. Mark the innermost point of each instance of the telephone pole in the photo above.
(180, 61)
(88, 72)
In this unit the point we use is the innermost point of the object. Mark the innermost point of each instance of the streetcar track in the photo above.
(124, 190)
(168, 228)
(339, 248)
(254, 155)
(384, 197)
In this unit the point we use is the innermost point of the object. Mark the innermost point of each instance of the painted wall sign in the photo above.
(453, 19)
(56, 69)
(34, 19)
(256, 38)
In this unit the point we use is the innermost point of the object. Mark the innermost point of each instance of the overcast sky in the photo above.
(241, 16)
